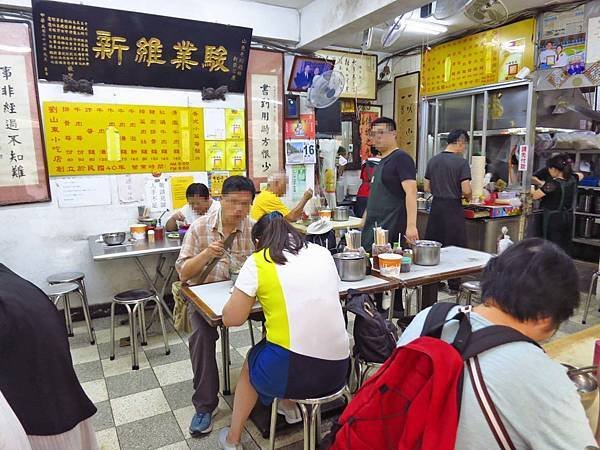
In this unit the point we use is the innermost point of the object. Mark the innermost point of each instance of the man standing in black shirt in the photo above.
(448, 178)
(392, 202)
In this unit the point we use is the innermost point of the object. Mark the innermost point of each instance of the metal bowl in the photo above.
(114, 238)
(586, 384)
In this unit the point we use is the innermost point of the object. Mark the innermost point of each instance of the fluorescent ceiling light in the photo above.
(422, 26)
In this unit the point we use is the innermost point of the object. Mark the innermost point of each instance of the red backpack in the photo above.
(413, 401)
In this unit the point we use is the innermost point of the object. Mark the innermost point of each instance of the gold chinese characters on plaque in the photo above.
(94, 138)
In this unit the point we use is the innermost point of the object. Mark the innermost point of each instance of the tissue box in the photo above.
(503, 210)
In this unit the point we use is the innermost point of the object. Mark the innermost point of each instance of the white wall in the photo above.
(398, 66)
(267, 21)
(40, 239)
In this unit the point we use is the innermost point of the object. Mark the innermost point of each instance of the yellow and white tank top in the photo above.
(300, 300)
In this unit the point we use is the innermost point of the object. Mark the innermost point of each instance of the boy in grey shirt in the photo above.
(531, 287)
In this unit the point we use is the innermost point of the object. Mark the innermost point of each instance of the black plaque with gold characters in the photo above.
(129, 48)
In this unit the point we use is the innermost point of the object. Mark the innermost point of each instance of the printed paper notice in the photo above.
(236, 129)
(131, 187)
(156, 194)
(214, 124)
(178, 187)
(83, 191)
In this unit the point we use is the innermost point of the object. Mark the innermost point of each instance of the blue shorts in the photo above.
(277, 372)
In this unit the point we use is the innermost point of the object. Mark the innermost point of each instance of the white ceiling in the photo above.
(297, 4)
(454, 24)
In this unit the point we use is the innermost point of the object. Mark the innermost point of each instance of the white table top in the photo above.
(452, 259)
(215, 295)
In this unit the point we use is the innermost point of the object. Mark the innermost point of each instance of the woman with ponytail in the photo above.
(557, 195)
(305, 353)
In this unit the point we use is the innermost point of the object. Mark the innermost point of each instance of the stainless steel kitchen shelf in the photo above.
(586, 241)
(580, 213)
(592, 188)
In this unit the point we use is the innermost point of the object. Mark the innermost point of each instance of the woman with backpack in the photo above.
(306, 351)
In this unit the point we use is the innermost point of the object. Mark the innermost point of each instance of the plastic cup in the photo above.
(389, 264)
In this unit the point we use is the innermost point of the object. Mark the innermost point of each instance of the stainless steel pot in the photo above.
(341, 213)
(426, 253)
(351, 266)
(586, 227)
(586, 383)
(597, 204)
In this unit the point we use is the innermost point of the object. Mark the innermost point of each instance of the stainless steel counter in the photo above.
(482, 234)
(159, 281)
(129, 249)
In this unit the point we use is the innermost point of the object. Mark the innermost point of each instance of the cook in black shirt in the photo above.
(557, 195)
(392, 202)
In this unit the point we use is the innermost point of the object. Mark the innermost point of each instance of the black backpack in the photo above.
(375, 337)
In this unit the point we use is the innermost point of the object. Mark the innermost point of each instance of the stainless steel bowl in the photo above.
(114, 238)
(341, 213)
(351, 266)
(426, 253)
(586, 384)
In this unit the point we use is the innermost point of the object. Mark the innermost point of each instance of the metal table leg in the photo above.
(152, 284)
(392, 301)
(225, 356)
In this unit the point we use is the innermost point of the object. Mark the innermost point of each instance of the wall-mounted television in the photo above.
(329, 120)
(304, 70)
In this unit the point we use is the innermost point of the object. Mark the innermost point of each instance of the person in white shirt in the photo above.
(548, 56)
(198, 204)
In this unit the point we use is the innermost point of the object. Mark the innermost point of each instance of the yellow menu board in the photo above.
(178, 187)
(215, 155)
(480, 59)
(236, 155)
(234, 121)
(97, 138)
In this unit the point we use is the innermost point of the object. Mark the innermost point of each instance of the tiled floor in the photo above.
(151, 408)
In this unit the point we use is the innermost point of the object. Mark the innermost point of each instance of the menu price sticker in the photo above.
(216, 180)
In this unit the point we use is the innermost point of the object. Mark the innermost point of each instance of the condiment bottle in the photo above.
(397, 248)
(406, 263)
(151, 236)
(408, 253)
(159, 233)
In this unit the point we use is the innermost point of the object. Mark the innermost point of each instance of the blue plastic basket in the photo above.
(590, 181)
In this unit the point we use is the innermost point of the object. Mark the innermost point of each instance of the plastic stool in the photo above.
(589, 298)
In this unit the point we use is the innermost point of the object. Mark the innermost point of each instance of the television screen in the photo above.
(329, 120)
(304, 70)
